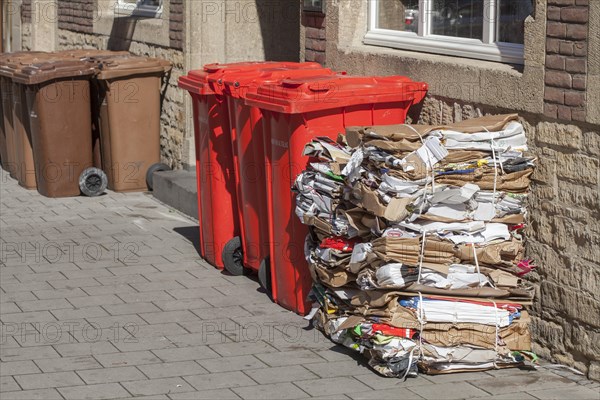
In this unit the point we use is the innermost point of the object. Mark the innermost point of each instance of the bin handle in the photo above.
(316, 87)
(164, 86)
(291, 83)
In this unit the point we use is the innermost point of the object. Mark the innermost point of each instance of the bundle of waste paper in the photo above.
(416, 244)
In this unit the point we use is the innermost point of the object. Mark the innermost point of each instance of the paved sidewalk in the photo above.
(107, 298)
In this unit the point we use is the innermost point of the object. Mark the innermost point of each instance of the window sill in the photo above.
(448, 61)
(441, 45)
(145, 29)
(142, 12)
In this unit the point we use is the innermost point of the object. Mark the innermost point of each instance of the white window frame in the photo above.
(424, 41)
(126, 9)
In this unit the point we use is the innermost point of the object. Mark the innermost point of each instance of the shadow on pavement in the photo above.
(192, 234)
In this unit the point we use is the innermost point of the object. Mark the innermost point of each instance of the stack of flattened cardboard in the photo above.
(416, 245)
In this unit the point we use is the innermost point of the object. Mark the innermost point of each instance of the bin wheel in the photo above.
(264, 275)
(150, 173)
(93, 182)
(233, 257)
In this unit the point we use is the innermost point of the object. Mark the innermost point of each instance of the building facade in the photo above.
(540, 58)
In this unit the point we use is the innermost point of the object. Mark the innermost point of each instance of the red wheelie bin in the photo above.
(296, 111)
(250, 250)
(217, 197)
(214, 169)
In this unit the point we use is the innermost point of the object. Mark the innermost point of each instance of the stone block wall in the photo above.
(25, 36)
(564, 238)
(563, 234)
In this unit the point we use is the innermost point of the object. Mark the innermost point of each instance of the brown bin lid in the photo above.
(52, 69)
(86, 53)
(111, 67)
(18, 54)
(10, 62)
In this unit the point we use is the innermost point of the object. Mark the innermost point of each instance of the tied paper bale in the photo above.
(416, 244)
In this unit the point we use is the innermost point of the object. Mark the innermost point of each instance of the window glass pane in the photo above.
(151, 3)
(136, 3)
(313, 5)
(398, 15)
(459, 18)
(511, 20)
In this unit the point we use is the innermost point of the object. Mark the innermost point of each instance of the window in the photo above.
(313, 5)
(484, 29)
(141, 8)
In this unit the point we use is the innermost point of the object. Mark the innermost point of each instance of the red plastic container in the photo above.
(214, 167)
(294, 112)
(217, 198)
(252, 248)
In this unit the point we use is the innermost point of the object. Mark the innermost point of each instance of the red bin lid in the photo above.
(196, 82)
(300, 95)
(256, 66)
(240, 84)
(209, 80)
(219, 73)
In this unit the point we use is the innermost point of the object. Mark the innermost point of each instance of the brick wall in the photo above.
(76, 15)
(566, 59)
(176, 27)
(315, 38)
(26, 11)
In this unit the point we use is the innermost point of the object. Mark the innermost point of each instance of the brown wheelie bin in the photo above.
(3, 154)
(7, 143)
(58, 98)
(9, 136)
(7, 149)
(128, 92)
(2, 134)
(24, 160)
(20, 144)
(82, 54)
